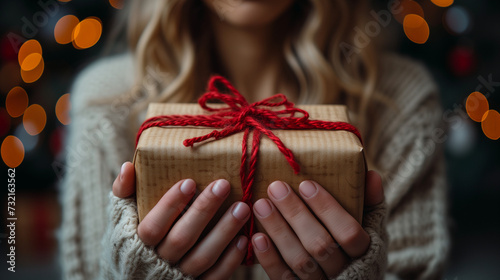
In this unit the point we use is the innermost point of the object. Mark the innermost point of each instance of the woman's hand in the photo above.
(306, 246)
(175, 236)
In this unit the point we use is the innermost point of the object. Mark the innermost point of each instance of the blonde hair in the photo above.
(168, 37)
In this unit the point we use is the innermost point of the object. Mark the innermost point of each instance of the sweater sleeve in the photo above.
(372, 265)
(125, 256)
(98, 233)
(404, 146)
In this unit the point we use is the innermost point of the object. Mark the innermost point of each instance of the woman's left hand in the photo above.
(306, 246)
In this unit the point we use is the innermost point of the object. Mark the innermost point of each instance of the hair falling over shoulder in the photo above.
(170, 38)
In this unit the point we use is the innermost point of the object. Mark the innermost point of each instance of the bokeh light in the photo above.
(476, 105)
(491, 124)
(29, 141)
(31, 62)
(408, 7)
(16, 102)
(62, 109)
(117, 4)
(457, 20)
(12, 151)
(33, 75)
(9, 76)
(29, 47)
(4, 122)
(63, 32)
(56, 141)
(462, 61)
(87, 33)
(442, 3)
(34, 119)
(416, 28)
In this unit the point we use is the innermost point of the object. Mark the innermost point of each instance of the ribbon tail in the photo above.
(247, 175)
(281, 146)
(216, 134)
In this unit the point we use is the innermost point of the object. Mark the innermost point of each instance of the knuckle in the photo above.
(149, 233)
(204, 203)
(178, 240)
(351, 235)
(201, 263)
(301, 263)
(322, 247)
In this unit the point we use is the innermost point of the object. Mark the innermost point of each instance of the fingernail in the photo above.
(188, 187)
(308, 189)
(242, 243)
(241, 211)
(260, 243)
(122, 170)
(221, 188)
(278, 190)
(262, 208)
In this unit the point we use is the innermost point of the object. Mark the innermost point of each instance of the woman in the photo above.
(263, 47)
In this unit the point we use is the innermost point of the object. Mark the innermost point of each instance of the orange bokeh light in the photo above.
(12, 151)
(16, 102)
(63, 32)
(117, 4)
(34, 119)
(87, 33)
(9, 76)
(442, 3)
(33, 75)
(31, 62)
(416, 28)
(476, 105)
(408, 7)
(29, 47)
(63, 106)
(491, 124)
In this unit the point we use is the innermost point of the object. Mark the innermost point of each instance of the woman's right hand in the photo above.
(175, 236)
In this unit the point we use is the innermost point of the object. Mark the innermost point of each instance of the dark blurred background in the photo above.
(43, 44)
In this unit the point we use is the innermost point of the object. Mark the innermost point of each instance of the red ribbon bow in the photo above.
(239, 115)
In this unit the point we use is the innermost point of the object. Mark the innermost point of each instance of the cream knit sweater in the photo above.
(98, 237)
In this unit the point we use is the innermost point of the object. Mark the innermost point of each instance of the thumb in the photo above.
(374, 192)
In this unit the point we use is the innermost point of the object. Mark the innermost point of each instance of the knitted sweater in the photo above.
(409, 236)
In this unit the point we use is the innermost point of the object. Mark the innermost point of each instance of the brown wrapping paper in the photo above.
(334, 159)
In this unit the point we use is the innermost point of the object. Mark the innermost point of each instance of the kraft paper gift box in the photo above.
(334, 159)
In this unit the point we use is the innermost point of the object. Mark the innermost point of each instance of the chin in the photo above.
(249, 13)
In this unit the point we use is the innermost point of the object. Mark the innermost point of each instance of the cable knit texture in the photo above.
(126, 257)
(409, 235)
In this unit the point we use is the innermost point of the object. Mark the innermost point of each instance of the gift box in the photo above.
(333, 158)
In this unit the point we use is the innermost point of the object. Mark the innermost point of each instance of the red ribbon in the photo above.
(237, 116)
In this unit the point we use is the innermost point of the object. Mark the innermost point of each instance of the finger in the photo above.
(159, 220)
(229, 261)
(312, 234)
(269, 258)
(124, 184)
(374, 192)
(188, 228)
(206, 252)
(344, 228)
(288, 244)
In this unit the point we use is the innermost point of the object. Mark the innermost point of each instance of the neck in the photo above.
(250, 58)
